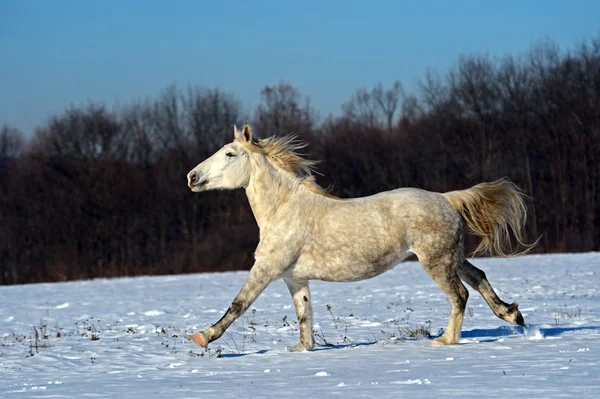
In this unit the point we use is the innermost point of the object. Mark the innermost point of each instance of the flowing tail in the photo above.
(491, 211)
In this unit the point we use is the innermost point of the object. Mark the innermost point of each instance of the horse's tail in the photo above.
(491, 211)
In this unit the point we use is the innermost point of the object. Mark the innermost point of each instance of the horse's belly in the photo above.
(345, 270)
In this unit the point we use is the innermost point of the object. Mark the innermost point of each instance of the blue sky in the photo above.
(57, 53)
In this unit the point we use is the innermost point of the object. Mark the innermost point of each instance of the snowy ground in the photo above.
(126, 337)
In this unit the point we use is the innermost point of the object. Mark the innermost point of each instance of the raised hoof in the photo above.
(199, 338)
(514, 316)
(520, 319)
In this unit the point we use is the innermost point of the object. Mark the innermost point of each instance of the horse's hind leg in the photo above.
(442, 270)
(301, 296)
(476, 278)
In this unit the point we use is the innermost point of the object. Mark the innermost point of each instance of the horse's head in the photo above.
(228, 168)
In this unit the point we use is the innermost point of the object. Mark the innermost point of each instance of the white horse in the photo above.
(308, 234)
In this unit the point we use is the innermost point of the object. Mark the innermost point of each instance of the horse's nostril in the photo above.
(193, 177)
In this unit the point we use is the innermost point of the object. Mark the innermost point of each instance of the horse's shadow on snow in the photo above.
(533, 331)
(492, 335)
(343, 346)
(316, 349)
(229, 355)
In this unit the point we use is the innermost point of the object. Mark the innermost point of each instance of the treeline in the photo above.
(99, 192)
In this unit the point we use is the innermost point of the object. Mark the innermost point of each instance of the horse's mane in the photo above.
(283, 152)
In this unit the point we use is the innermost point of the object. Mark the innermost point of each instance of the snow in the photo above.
(126, 337)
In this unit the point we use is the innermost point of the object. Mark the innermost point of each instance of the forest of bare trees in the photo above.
(101, 192)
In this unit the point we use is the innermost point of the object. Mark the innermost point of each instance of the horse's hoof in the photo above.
(299, 348)
(436, 342)
(439, 342)
(520, 319)
(199, 338)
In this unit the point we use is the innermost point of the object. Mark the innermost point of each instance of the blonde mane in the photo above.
(283, 152)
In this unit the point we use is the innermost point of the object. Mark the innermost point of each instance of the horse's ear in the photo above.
(247, 133)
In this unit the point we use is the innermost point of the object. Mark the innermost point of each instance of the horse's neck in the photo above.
(270, 190)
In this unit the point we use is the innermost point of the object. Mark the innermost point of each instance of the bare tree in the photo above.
(374, 109)
(284, 110)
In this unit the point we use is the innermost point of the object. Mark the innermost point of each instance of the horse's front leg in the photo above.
(301, 296)
(259, 278)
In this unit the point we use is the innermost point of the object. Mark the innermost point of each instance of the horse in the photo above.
(308, 234)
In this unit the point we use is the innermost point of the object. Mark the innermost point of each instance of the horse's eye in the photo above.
(230, 154)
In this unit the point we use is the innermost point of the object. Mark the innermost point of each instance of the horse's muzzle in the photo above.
(195, 181)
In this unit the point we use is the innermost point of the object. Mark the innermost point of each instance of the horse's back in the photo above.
(412, 203)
